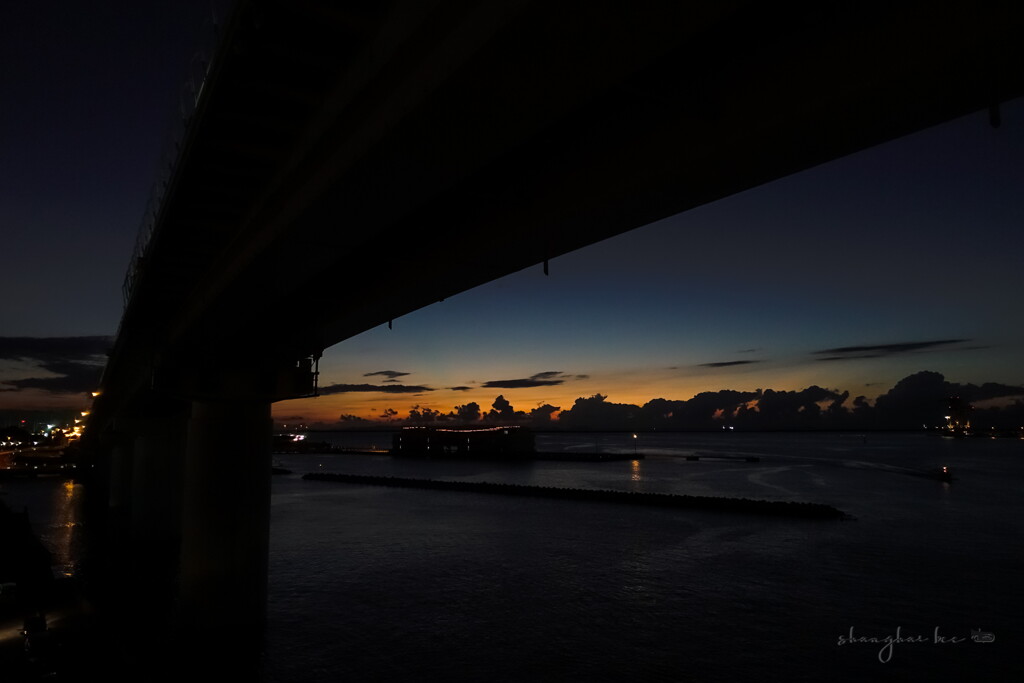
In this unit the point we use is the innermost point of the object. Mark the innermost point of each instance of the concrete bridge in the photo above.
(348, 163)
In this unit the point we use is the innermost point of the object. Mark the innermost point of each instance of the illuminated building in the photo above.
(484, 442)
(958, 417)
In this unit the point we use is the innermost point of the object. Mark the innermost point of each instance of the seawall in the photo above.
(741, 505)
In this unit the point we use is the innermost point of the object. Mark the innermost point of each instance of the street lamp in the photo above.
(634, 446)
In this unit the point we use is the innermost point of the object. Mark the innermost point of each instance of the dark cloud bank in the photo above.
(541, 379)
(728, 363)
(918, 400)
(77, 362)
(880, 350)
(844, 353)
(383, 388)
(392, 375)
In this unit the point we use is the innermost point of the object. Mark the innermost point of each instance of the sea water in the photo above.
(386, 584)
(923, 584)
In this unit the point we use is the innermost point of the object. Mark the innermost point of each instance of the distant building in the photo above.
(485, 442)
(958, 416)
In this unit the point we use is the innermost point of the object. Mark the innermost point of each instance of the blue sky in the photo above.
(89, 91)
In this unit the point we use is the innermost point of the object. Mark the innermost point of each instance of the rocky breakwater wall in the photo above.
(725, 504)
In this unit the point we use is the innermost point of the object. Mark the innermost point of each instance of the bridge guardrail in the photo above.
(189, 95)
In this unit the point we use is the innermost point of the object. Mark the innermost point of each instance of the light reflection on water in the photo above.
(65, 528)
(54, 508)
(635, 474)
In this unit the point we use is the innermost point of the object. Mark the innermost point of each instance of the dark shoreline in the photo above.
(741, 505)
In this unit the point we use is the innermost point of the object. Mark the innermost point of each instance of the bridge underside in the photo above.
(347, 166)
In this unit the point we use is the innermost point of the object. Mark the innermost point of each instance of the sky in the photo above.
(849, 276)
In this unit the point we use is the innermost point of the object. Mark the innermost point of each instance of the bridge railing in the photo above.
(189, 96)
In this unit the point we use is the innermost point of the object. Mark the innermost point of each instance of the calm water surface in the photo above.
(382, 584)
(403, 585)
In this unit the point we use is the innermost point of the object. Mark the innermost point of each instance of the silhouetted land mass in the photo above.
(741, 505)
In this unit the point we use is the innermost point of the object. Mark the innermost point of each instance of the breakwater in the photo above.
(516, 456)
(741, 505)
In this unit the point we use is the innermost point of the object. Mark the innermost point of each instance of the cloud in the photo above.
(459, 388)
(880, 350)
(918, 399)
(468, 413)
(383, 388)
(419, 414)
(76, 378)
(728, 363)
(390, 374)
(501, 409)
(541, 379)
(595, 412)
(78, 362)
(542, 414)
(53, 348)
(988, 390)
(550, 374)
(521, 383)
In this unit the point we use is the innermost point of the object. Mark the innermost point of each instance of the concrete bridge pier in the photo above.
(118, 478)
(133, 512)
(154, 530)
(157, 478)
(226, 523)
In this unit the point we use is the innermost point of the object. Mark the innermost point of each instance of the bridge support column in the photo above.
(157, 479)
(119, 500)
(226, 522)
(157, 483)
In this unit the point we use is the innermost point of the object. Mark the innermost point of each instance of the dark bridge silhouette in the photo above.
(349, 163)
